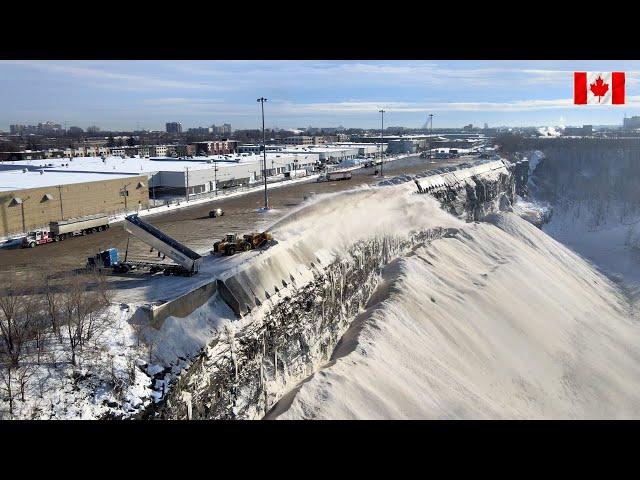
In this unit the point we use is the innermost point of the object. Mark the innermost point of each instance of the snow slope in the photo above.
(500, 321)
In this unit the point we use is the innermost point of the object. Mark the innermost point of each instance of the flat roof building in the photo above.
(177, 176)
(31, 198)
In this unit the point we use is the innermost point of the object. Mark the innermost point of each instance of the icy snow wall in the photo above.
(496, 321)
(297, 299)
(592, 185)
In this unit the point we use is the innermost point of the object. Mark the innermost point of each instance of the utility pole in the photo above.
(264, 155)
(431, 133)
(60, 195)
(187, 189)
(215, 176)
(125, 193)
(381, 142)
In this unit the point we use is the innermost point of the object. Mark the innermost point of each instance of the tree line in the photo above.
(40, 320)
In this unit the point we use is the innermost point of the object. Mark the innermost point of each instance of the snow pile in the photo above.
(549, 132)
(336, 220)
(534, 212)
(323, 229)
(499, 321)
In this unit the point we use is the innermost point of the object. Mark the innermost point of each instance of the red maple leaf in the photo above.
(599, 88)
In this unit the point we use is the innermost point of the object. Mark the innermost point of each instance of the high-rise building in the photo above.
(631, 123)
(223, 130)
(200, 130)
(49, 127)
(174, 127)
(93, 129)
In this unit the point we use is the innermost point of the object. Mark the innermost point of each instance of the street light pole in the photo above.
(215, 176)
(431, 133)
(264, 155)
(381, 143)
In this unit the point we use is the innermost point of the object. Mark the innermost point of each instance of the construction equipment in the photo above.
(188, 261)
(232, 243)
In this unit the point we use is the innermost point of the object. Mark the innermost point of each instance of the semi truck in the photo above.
(291, 174)
(63, 229)
(187, 261)
(334, 176)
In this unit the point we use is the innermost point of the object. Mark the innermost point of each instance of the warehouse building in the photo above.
(364, 149)
(30, 198)
(325, 153)
(179, 176)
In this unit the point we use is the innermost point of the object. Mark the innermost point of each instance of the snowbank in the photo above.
(500, 321)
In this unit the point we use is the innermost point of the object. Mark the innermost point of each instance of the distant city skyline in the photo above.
(139, 95)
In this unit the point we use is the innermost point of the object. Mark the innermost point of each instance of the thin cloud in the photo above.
(105, 78)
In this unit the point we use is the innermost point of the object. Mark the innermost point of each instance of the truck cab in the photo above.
(36, 237)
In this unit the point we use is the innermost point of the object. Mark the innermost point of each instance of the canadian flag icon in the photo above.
(598, 88)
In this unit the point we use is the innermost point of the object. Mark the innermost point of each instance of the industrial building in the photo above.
(399, 144)
(36, 192)
(31, 198)
(177, 176)
(328, 153)
(325, 153)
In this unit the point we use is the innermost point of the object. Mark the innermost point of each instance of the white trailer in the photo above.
(334, 176)
(78, 226)
(295, 174)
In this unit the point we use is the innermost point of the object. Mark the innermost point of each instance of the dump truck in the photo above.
(105, 259)
(63, 229)
(233, 243)
(188, 262)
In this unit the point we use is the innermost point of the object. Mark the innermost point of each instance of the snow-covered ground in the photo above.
(500, 321)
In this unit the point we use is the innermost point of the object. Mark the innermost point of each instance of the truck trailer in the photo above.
(334, 176)
(188, 262)
(78, 226)
(61, 229)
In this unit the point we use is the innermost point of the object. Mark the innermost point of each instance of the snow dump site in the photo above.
(423, 298)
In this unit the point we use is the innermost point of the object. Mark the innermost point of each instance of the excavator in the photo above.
(233, 243)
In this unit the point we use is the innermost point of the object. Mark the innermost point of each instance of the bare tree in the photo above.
(14, 325)
(81, 308)
(23, 375)
(53, 307)
(6, 382)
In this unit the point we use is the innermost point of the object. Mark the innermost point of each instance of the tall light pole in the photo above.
(215, 176)
(381, 142)
(431, 133)
(264, 155)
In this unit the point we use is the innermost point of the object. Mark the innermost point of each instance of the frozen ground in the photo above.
(500, 321)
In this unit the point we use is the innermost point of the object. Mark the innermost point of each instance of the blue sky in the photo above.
(146, 94)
